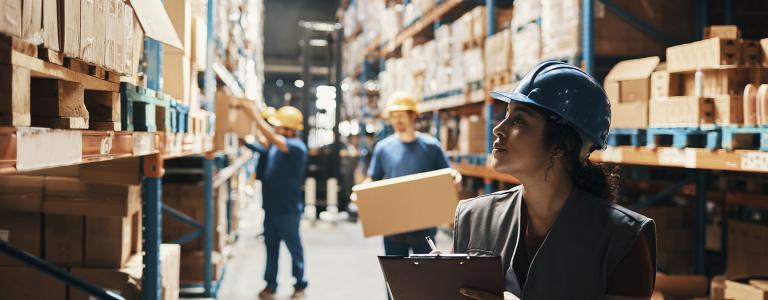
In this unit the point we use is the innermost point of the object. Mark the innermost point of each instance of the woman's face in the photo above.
(519, 148)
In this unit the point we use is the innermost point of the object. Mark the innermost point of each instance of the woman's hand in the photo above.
(479, 295)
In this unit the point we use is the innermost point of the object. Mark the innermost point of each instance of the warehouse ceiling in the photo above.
(281, 29)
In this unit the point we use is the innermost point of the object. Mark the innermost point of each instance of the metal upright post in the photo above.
(436, 122)
(152, 204)
(363, 115)
(208, 199)
(490, 11)
(306, 76)
(153, 51)
(587, 35)
(728, 12)
(209, 81)
(703, 17)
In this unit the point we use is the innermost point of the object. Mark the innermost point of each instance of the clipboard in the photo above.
(441, 277)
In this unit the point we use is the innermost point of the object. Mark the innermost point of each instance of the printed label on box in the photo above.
(5, 235)
(754, 161)
(677, 157)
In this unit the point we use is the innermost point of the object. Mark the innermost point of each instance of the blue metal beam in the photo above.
(182, 217)
(490, 6)
(57, 273)
(208, 215)
(729, 12)
(436, 122)
(152, 227)
(153, 52)
(587, 35)
(639, 24)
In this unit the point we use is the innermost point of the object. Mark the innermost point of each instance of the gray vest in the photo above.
(588, 239)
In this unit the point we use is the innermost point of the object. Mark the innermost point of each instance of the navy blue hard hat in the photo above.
(569, 93)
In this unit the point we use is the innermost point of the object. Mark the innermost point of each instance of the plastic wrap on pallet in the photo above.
(526, 55)
(461, 31)
(560, 28)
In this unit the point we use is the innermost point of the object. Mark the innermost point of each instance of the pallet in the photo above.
(627, 137)
(683, 138)
(474, 92)
(143, 109)
(750, 138)
(37, 92)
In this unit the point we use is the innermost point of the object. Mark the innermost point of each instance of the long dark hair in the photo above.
(586, 175)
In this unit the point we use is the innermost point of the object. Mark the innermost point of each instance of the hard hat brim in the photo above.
(402, 108)
(509, 97)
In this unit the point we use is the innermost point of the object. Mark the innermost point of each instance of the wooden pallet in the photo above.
(683, 137)
(749, 138)
(144, 109)
(36, 92)
(627, 137)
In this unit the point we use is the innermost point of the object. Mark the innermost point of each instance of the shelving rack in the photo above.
(86, 146)
(698, 161)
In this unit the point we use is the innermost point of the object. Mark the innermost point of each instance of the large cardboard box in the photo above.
(170, 266)
(189, 201)
(72, 196)
(180, 13)
(64, 240)
(709, 53)
(192, 266)
(125, 171)
(628, 86)
(177, 76)
(21, 193)
(199, 44)
(29, 283)
(110, 241)
(471, 134)
(681, 111)
(407, 203)
(23, 231)
(498, 53)
(747, 249)
(526, 55)
(722, 31)
(124, 281)
(746, 289)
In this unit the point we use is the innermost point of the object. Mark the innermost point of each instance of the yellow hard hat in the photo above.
(268, 112)
(401, 101)
(288, 117)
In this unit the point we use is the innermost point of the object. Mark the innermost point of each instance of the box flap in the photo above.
(156, 23)
(633, 69)
(401, 179)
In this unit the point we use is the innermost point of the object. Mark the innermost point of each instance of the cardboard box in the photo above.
(681, 111)
(682, 286)
(64, 240)
(747, 249)
(125, 171)
(751, 52)
(709, 53)
(192, 266)
(722, 31)
(23, 231)
(32, 21)
(498, 53)
(29, 283)
(21, 193)
(123, 281)
(69, 24)
(170, 266)
(199, 44)
(99, 31)
(407, 203)
(87, 31)
(665, 85)
(745, 289)
(177, 73)
(526, 55)
(72, 196)
(109, 241)
(764, 46)
(471, 134)
(10, 23)
(628, 88)
(729, 110)
(180, 14)
(479, 22)
(51, 25)
(189, 201)
(111, 33)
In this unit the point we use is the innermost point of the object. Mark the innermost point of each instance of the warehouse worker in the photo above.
(282, 182)
(404, 153)
(559, 233)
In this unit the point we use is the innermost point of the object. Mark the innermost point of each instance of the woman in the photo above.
(559, 234)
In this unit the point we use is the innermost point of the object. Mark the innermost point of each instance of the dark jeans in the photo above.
(283, 228)
(408, 243)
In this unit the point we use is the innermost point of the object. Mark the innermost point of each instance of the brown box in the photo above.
(709, 53)
(722, 31)
(69, 24)
(170, 266)
(64, 240)
(628, 88)
(189, 201)
(108, 241)
(177, 73)
(498, 53)
(180, 13)
(407, 203)
(51, 25)
(22, 230)
(74, 197)
(471, 134)
(764, 46)
(664, 85)
(192, 266)
(747, 249)
(199, 44)
(479, 22)
(29, 283)
(751, 52)
(730, 81)
(124, 281)
(10, 23)
(32, 21)
(729, 110)
(681, 286)
(681, 111)
(119, 171)
(21, 193)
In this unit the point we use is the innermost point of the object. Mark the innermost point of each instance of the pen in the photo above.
(431, 243)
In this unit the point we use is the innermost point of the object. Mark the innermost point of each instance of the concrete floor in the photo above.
(340, 263)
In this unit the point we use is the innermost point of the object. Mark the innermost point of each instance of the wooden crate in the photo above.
(681, 111)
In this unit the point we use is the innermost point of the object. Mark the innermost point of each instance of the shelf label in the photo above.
(38, 148)
(754, 161)
(612, 154)
(106, 145)
(677, 157)
(143, 143)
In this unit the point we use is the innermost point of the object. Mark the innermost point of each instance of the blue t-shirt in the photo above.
(283, 177)
(394, 158)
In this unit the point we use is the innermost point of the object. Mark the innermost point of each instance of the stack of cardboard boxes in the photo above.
(674, 237)
(526, 27)
(188, 199)
(74, 219)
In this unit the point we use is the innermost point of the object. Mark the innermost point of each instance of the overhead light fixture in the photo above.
(318, 26)
(318, 42)
(298, 83)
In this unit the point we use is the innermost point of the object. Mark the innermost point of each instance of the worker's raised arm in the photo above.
(267, 131)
